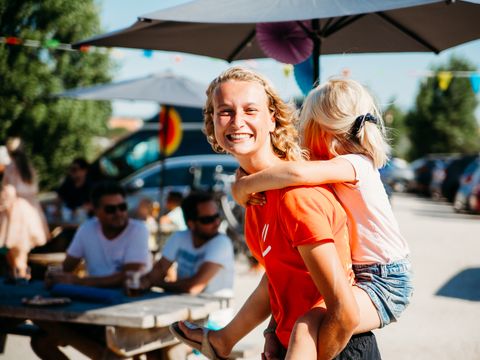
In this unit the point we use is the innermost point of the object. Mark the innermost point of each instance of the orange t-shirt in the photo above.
(291, 217)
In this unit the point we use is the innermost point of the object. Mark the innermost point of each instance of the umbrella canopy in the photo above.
(163, 88)
(347, 26)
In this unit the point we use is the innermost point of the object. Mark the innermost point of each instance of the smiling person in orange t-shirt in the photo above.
(300, 235)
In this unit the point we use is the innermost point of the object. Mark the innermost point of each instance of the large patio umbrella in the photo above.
(228, 29)
(163, 88)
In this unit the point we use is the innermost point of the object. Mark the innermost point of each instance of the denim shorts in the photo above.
(389, 287)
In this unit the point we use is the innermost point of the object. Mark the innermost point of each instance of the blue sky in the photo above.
(389, 76)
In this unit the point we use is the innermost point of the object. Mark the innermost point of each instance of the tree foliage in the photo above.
(394, 118)
(443, 121)
(54, 130)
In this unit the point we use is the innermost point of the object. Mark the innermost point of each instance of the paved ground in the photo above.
(443, 321)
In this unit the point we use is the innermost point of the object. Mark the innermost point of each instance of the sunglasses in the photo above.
(208, 219)
(112, 209)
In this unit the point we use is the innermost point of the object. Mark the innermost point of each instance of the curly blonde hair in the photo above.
(328, 115)
(284, 139)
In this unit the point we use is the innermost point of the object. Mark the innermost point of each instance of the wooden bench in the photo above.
(55, 258)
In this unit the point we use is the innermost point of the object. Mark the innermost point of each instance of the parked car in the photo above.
(142, 147)
(474, 197)
(181, 173)
(452, 175)
(423, 171)
(439, 173)
(397, 174)
(205, 172)
(461, 200)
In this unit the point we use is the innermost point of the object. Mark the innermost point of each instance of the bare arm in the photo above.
(342, 314)
(71, 263)
(292, 173)
(116, 279)
(157, 274)
(194, 284)
(253, 312)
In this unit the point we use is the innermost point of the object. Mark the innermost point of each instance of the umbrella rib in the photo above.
(242, 46)
(408, 32)
(340, 24)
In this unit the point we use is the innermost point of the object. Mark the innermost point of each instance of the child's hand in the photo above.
(238, 193)
(257, 199)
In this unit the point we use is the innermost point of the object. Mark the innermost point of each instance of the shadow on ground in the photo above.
(465, 285)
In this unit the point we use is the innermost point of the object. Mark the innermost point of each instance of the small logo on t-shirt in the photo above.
(264, 232)
(264, 237)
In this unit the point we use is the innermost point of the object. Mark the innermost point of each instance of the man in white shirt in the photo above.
(110, 244)
(204, 257)
(205, 262)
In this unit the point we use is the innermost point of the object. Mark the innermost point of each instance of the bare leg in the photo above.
(303, 341)
(369, 319)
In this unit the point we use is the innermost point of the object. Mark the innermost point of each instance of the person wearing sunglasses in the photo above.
(204, 259)
(111, 245)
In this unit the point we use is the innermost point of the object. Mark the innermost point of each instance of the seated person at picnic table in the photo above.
(173, 219)
(74, 192)
(110, 244)
(204, 258)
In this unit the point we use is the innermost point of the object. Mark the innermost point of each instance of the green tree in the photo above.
(443, 121)
(394, 118)
(54, 130)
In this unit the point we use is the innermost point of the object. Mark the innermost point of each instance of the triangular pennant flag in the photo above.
(444, 78)
(303, 73)
(287, 70)
(475, 82)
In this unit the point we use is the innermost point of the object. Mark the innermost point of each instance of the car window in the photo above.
(197, 175)
(177, 176)
(209, 171)
(131, 154)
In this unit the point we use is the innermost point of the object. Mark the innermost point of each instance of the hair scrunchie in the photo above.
(359, 121)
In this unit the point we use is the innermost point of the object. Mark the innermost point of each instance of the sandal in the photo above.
(204, 347)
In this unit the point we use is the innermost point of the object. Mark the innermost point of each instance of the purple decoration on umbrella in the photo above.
(286, 42)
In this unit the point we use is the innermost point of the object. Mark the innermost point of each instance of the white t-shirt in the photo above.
(104, 257)
(219, 250)
(176, 217)
(375, 236)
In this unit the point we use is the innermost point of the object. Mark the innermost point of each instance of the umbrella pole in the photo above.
(163, 154)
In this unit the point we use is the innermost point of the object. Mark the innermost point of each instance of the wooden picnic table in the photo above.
(133, 326)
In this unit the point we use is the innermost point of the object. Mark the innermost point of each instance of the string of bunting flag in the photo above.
(53, 44)
(47, 44)
(445, 78)
(301, 70)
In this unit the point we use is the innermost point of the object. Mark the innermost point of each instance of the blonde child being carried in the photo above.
(344, 133)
